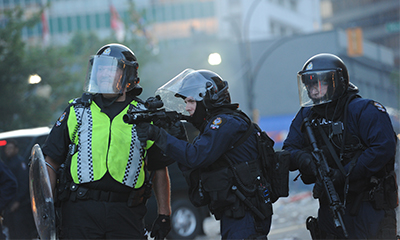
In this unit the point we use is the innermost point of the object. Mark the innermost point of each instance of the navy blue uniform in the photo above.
(8, 189)
(369, 122)
(19, 221)
(220, 134)
(8, 184)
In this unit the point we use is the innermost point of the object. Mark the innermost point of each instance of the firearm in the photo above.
(336, 206)
(154, 114)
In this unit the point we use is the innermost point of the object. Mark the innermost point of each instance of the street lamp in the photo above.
(42, 90)
(34, 79)
(214, 59)
(245, 53)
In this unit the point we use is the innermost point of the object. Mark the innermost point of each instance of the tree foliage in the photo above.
(61, 68)
(22, 105)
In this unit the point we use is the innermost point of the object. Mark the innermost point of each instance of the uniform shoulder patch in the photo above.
(379, 106)
(60, 119)
(217, 123)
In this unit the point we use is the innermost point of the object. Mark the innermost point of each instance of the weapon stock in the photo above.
(158, 117)
(154, 114)
(337, 208)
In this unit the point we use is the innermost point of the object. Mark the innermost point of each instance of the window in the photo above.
(69, 24)
(78, 23)
(97, 21)
(59, 25)
(272, 27)
(282, 31)
(293, 5)
(89, 24)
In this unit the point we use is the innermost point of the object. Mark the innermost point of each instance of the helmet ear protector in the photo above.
(343, 81)
(215, 95)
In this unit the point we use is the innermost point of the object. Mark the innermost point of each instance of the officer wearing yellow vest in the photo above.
(97, 167)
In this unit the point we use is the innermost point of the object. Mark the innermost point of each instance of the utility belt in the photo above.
(231, 190)
(132, 198)
(381, 192)
(68, 190)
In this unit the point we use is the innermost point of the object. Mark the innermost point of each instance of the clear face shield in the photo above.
(187, 84)
(104, 75)
(316, 87)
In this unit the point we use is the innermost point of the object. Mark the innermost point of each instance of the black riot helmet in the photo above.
(323, 78)
(113, 69)
(202, 85)
(217, 93)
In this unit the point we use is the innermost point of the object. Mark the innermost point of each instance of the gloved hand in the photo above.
(177, 130)
(318, 190)
(337, 178)
(161, 227)
(147, 131)
(306, 167)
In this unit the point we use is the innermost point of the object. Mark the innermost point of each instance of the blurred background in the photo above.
(258, 46)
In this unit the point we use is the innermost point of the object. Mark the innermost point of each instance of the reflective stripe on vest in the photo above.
(113, 144)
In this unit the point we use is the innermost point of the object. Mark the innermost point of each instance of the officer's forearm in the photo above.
(52, 171)
(162, 191)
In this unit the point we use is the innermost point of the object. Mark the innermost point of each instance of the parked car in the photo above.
(25, 138)
(186, 220)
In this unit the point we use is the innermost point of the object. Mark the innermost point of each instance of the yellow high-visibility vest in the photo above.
(104, 145)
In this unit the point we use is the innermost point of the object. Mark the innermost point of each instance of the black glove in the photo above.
(147, 131)
(337, 178)
(306, 167)
(318, 190)
(161, 227)
(177, 130)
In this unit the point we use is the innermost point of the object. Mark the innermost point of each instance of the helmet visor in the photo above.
(104, 76)
(316, 87)
(188, 83)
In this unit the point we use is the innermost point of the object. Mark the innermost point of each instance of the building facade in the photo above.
(378, 20)
(170, 22)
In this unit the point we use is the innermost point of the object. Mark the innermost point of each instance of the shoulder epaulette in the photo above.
(83, 101)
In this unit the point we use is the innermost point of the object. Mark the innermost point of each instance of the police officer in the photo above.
(358, 141)
(105, 191)
(18, 216)
(220, 165)
(8, 190)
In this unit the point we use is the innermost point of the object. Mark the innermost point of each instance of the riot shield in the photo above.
(41, 195)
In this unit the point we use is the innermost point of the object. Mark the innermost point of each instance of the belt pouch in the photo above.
(135, 197)
(218, 185)
(197, 195)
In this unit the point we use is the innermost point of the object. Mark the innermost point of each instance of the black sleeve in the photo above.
(56, 144)
(156, 159)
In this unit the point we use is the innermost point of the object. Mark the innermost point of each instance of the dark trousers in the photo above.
(368, 223)
(89, 219)
(244, 228)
